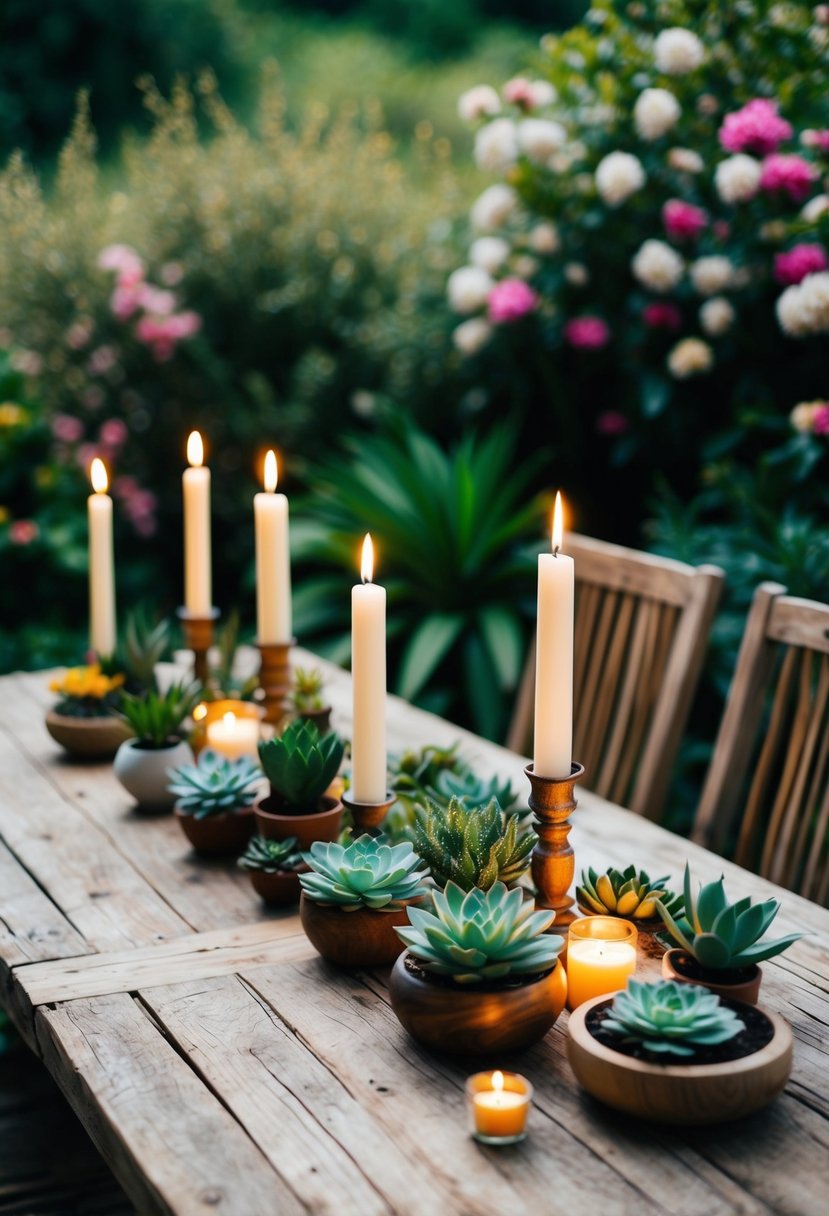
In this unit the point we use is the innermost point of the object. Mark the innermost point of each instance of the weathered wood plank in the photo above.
(31, 926)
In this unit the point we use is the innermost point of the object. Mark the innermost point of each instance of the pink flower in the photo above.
(171, 273)
(683, 221)
(156, 300)
(125, 301)
(820, 423)
(803, 259)
(125, 262)
(791, 173)
(67, 428)
(815, 139)
(721, 229)
(183, 325)
(124, 487)
(78, 334)
(519, 92)
(662, 315)
(611, 422)
(23, 531)
(102, 360)
(510, 300)
(587, 333)
(113, 433)
(757, 127)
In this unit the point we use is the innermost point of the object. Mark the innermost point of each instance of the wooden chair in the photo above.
(771, 759)
(641, 626)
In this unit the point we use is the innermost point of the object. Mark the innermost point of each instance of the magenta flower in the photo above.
(519, 92)
(67, 428)
(113, 433)
(803, 259)
(125, 301)
(820, 423)
(683, 221)
(587, 333)
(791, 174)
(23, 531)
(662, 315)
(509, 301)
(611, 422)
(156, 300)
(126, 263)
(757, 127)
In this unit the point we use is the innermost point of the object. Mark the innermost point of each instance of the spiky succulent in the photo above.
(722, 936)
(145, 642)
(366, 873)
(477, 935)
(301, 764)
(306, 694)
(156, 718)
(470, 789)
(271, 856)
(471, 846)
(437, 774)
(629, 893)
(668, 1018)
(214, 784)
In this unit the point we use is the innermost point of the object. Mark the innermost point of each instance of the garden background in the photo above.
(271, 221)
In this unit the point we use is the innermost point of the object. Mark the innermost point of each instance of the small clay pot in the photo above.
(363, 938)
(464, 1020)
(323, 824)
(279, 888)
(320, 717)
(218, 835)
(145, 772)
(88, 738)
(678, 965)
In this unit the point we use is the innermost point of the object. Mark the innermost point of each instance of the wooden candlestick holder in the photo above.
(198, 637)
(275, 678)
(552, 802)
(367, 816)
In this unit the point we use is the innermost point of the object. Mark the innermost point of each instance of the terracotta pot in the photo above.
(279, 888)
(217, 835)
(364, 938)
(320, 717)
(88, 738)
(747, 990)
(323, 824)
(144, 772)
(679, 1093)
(463, 1020)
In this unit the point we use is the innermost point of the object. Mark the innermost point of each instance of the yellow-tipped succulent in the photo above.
(628, 893)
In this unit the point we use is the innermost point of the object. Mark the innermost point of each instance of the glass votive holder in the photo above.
(233, 739)
(601, 955)
(499, 1105)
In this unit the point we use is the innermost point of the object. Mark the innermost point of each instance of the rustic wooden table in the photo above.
(220, 1065)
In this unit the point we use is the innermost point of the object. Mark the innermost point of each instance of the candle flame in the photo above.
(271, 474)
(98, 476)
(229, 720)
(367, 563)
(558, 523)
(497, 1081)
(195, 450)
(200, 712)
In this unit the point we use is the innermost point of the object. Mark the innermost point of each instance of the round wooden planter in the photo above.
(747, 991)
(320, 717)
(679, 1093)
(321, 825)
(279, 888)
(464, 1020)
(218, 835)
(144, 772)
(363, 938)
(88, 738)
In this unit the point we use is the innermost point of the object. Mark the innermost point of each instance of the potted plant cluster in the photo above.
(300, 766)
(306, 698)
(677, 1053)
(631, 895)
(356, 895)
(214, 801)
(433, 774)
(274, 867)
(717, 943)
(83, 719)
(143, 763)
(471, 846)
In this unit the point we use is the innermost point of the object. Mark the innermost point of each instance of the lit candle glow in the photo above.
(368, 675)
(197, 556)
(499, 1106)
(234, 737)
(102, 629)
(273, 561)
(553, 742)
(601, 955)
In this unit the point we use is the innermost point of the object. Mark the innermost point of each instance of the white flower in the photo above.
(712, 274)
(525, 266)
(815, 208)
(479, 102)
(493, 208)
(717, 316)
(804, 309)
(489, 252)
(690, 357)
(657, 266)
(738, 178)
(496, 146)
(470, 336)
(655, 112)
(539, 138)
(685, 160)
(468, 288)
(678, 51)
(363, 403)
(802, 416)
(576, 274)
(544, 238)
(618, 176)
(543, 93)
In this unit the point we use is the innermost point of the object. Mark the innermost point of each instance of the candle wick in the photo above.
(555, 550)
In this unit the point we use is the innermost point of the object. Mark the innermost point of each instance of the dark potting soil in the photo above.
(446, 981)
(691, 969)
(756, 1033)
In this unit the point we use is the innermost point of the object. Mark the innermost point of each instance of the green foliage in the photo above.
(668, 1018)
(144, 645)
(223, 679)
(215, 784)
(365, 873)
(306, 693)
(471, 846)
(301, 764)
(722, 936)
(436, 774)
(272, 856)
(626, 893)
(156, 718)
(481, 935)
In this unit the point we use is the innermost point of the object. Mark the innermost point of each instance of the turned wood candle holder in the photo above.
(367, 816)
(552, 801)
(198, 637)
(275, 678)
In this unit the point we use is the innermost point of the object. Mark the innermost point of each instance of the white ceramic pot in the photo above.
(145, 772)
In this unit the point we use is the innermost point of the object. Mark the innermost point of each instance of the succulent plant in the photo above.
(437, 774)
(722, 936)
(214, 784)
(156, 718)
(365, 873)
(668, 1018)
(301, 764)
(308, 683)
(271, 856)
(145, 643)
(223, 680)
(629, 893)
(471, 846)
(477, 935)
(471, 790)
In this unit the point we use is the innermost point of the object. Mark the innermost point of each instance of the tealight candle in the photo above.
(601, 954)
(234, 737)
(499, 1103)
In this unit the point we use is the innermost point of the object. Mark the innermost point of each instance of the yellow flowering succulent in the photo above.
(86, 683)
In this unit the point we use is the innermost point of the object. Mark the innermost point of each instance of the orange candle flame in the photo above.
(195, 450)
(367, 563)
(98, 476)
(271, 473)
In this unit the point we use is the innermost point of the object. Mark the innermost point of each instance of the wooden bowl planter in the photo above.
(365, 937)
(678, 965)
(691, 1093)
(88, 738)
(272, 821)
(278, 888)
(475, 1019)
(144, 772)
(218, 835)
(320, 717)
